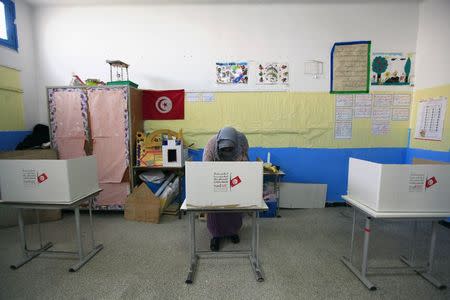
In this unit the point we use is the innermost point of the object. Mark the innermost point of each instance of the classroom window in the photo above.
(8, 31)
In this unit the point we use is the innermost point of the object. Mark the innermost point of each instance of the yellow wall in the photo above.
(11, 100)
(278, 119)
(424, 94)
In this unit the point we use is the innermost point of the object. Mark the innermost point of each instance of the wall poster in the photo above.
(350, 67)
(231, 72)
(392, 69)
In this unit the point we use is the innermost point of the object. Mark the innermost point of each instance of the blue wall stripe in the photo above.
(426, 154)
(321, 165)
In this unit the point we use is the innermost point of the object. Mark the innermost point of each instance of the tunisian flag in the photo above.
(163, 105)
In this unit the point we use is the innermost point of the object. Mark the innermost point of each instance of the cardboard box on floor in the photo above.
(142, 205)
(8, 215)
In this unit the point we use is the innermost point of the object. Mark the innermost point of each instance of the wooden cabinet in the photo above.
(100, 121)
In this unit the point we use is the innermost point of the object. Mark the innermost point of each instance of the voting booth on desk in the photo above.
(48, 181)
(399, 188)
(214, 184)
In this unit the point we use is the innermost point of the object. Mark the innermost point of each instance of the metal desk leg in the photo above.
(95, 249)
(39, 227)
(427, 274)
(194, 257)
(78, 227)
(91, 204)
(277, 183)
(353, 236)
(26, 257)
(362, 274)
(23, 241)
(180, 200)
(254, 255)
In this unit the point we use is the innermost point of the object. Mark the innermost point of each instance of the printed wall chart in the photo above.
(430, 119)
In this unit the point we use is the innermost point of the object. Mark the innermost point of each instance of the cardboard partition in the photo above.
(400, 187)
(8, 215)
(210, 184)
(48, 181)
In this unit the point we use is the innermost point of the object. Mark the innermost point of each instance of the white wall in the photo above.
(433, 44)
(176, 46)
(24, 60)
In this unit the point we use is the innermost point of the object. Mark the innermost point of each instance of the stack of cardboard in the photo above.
(142, 205)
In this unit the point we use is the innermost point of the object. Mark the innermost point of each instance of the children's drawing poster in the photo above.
(232, 72)
(350, 67)
(392, 69)
(273, 73)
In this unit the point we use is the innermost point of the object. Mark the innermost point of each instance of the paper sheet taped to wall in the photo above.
(350, 63)
(430, 119)
(400, 114)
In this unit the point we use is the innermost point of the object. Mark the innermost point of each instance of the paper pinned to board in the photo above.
(381, 114)
(344, 100)
(362, 112)
(193, 97)
(382, 100)
(381, 127)
(363, 100)
(208, 97)
(402, 100)
(344, 114)
(400, 114)
(343, 130)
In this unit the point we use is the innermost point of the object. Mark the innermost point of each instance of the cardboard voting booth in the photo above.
(48, 181)
(214, 184)
(400, 188)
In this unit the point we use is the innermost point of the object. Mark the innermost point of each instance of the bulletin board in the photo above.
(279, 120)
(11, 100)
(350, 67)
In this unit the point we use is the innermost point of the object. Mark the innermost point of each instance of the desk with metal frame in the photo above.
(424, 271)
(251, 253)
(29, 254)
(276, 187)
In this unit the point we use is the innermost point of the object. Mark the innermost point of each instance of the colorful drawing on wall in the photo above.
(232, 73)
(350, 67)
(392, 69)
(273, 73)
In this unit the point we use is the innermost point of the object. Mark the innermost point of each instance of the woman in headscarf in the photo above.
(228, 145)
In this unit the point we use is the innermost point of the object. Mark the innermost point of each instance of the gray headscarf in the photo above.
(227, 144)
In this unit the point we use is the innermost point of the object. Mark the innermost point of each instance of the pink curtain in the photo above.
(107, 109)
(111, 158)
(68, 115)
(113, 193)
(70, 147)
(69, 133)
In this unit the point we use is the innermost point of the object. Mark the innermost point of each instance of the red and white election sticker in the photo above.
(430, 182)
(41, 178)
(235, 181)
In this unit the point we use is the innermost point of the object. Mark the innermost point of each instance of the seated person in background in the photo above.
(228, 145)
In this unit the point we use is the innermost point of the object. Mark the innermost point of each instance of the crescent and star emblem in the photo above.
(163, 104)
